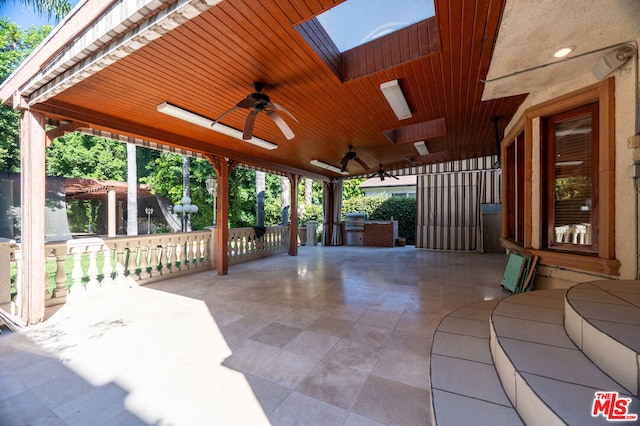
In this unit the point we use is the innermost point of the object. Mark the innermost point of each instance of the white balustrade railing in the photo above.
(85, 264)
(244, 245)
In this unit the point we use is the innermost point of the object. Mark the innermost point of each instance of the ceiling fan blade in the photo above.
(281, 108)
(392, 176)
(362, 163)
(224, 114)
(248, 125)
(284, 127)
(246, 103)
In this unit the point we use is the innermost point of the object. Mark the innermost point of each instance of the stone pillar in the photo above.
(312, 236)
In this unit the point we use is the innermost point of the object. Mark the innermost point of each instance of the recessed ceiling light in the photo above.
(561, 53)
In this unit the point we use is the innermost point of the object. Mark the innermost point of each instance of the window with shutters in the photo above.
(571, 188)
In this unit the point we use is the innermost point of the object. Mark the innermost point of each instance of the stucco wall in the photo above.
(625, 233)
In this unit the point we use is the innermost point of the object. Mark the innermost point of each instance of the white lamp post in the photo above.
(212, 188)
(149, 212)
(186, 209)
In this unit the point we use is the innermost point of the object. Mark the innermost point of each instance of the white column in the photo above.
(32, 194)
(111, 213)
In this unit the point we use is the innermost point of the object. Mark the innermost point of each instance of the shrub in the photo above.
(381, 207)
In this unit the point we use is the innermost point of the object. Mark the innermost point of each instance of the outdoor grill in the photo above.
(354, 228)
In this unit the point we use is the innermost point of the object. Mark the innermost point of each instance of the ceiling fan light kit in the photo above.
(197, 119)
(398, 103)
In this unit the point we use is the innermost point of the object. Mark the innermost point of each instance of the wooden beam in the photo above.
(180, 141)
(56, 132)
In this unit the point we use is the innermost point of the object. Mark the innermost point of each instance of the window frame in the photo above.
(602, 261)
(548, 170)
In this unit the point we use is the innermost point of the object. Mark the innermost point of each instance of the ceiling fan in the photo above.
(351, 155)
(382, 173)
(259, 102)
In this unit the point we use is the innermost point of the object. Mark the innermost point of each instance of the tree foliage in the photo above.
(15, 45)
(80, 155)
(351, 188)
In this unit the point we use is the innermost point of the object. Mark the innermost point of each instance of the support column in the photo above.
(111, 213)
(32, 213)
(293, 226)
(222, 168)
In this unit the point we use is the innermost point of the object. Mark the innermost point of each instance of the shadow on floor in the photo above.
(36, 388)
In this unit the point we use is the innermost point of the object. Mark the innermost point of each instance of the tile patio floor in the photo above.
(335, 336)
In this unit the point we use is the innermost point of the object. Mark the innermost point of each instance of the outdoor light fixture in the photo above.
(327, 166)
(149, 212)
(192, 117)
(393, 92)
(212, 189)
(421, 147)
(186, 208)
(612, 61)
(561, 53)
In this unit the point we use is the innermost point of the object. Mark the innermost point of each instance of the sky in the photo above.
(23, 15)
(355, 22)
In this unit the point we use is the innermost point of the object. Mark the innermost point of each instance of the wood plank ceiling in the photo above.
(209, 64)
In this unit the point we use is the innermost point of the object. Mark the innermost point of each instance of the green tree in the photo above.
(85, 156)
(15, 45)
(164, 175)
(351, 188)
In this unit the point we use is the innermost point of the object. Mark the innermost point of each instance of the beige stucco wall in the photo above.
(625, 234)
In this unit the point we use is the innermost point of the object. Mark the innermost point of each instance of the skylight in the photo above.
(356, 22)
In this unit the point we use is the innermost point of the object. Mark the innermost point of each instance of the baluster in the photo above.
(188, 244)
(118, 254)
(144, 259)
(92, 270)
(179, 254)
(77, 273)
(61, 275)
(204, 244)
(126, 262)
(107, 266)
(171, 253)
(194, 251)
(154, 257)
(162, 252)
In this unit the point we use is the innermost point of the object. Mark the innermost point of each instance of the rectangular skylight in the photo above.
(356, 22)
